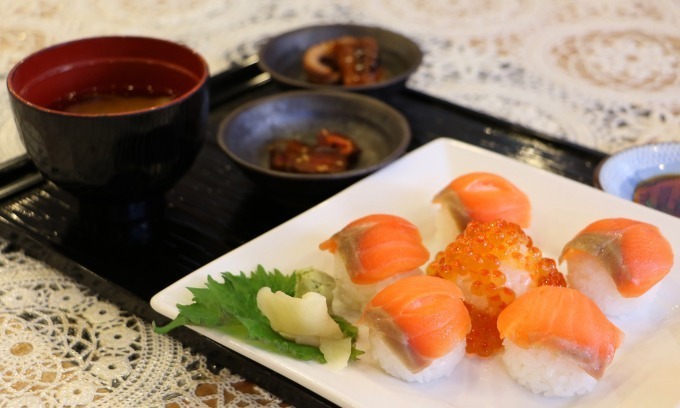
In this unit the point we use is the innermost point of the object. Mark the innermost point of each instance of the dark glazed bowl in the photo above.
(381, 132)
(281, 56)
(128, 157)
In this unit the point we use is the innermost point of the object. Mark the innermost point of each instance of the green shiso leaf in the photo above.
(233, 303)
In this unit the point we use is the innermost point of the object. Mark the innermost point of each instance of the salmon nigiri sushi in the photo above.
(617, 262)
(483, 197)
(557, 341)
(372, 252)
(417, 328)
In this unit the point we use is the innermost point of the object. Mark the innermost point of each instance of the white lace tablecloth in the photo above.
(601, 73)
(62, 345)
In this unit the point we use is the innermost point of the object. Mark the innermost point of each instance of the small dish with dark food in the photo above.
(341, 56)
(331, 152)
(647, 174)
(307, 145)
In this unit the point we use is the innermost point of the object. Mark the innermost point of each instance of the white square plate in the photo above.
(644, 372)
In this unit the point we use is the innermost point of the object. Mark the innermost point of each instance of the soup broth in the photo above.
(113, 100)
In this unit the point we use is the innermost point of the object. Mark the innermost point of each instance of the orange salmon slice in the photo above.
(634, 253)
(485, 197)
(378, 246)
(566, 321)
(423, 313)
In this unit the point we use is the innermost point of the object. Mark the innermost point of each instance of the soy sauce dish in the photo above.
(397, 56)
(647, 174)
(249, 134)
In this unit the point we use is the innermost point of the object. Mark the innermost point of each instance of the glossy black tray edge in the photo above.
(217, 355)
(16, 175)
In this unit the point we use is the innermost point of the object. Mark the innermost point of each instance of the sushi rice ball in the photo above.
(556, 341)
(618, 263)
(417, 328)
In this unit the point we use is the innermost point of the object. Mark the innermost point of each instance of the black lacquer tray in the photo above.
(215, 209)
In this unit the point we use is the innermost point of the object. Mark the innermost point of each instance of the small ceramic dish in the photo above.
(282, 55)
(248, 134)
(622, 172)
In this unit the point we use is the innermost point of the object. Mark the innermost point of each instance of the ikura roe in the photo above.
(493, 263)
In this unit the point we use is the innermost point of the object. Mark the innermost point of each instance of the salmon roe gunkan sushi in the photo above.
(493, 263)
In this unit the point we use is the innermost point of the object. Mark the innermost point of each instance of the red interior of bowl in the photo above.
(54, 72)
